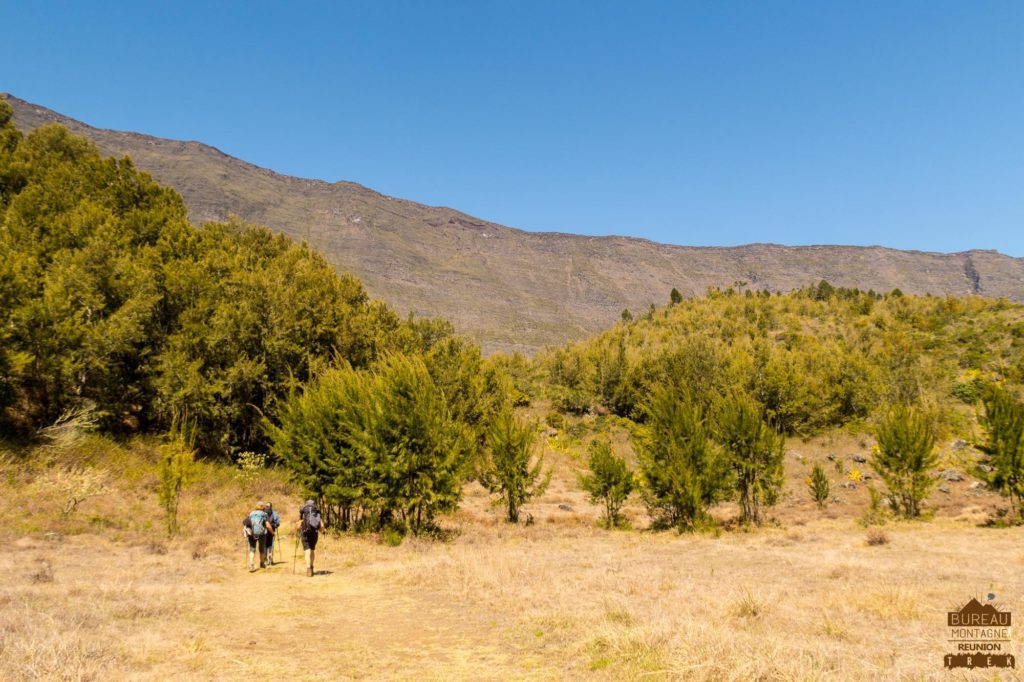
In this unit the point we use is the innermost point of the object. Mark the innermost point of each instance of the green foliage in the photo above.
(818, 485)
(814, 359)
(674, 297)
(109, 297)
(250, 465)
(609, 482)
(375, 446)
(1004, 424)
(509, 472)
(177, 463)
(875, 514)
(682, 472)
(905, 457)
(755, 454)
(555, 420)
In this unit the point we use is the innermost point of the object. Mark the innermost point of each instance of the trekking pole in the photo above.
(295, 554)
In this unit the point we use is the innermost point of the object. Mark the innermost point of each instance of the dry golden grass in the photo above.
(559, 599)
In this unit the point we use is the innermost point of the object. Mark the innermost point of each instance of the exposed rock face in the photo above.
(510, 289)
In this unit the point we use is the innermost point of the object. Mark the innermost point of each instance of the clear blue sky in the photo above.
(867, 122)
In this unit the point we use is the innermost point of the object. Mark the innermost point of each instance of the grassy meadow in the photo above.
(103, 593)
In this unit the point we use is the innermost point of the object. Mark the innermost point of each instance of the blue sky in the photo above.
(705, 123)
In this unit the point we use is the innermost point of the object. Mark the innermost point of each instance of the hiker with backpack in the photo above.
(309, 527)
(257, 530)
(275, 523)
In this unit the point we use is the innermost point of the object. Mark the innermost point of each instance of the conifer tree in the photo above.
(904, 458)
(1004, 424)
(609, 482)
(682, 471)
(511, 472)
(755, 452)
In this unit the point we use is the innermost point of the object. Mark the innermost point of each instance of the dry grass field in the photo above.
(807, 598)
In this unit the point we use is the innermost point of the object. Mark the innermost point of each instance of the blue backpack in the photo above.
(257, 519)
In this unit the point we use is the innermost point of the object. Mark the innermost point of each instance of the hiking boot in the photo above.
(309, 571)
(262, 565)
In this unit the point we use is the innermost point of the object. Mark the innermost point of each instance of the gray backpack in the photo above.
(310, 519)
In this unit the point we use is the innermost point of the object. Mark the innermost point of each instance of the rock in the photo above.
(977, 485)
(867, 477)
(551, 433)
(860, 459)
(565, 507)
(952, 475)
(960, 444)
(54, 537)
(850, 485)
(943, 489)
(987, 468)
(831, 457)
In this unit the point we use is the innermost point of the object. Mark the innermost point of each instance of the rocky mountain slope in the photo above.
(510, 289)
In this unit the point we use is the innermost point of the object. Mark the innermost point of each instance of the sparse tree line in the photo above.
(688, 460)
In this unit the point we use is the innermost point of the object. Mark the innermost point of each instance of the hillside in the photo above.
(510, 289)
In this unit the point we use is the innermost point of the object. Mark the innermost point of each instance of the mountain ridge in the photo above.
(511, 289)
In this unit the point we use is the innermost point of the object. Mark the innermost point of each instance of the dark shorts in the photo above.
(309, 540)
(257, 542)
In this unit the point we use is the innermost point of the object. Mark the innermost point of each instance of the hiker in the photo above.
(257, 530)
(275, 523)
(309, 528)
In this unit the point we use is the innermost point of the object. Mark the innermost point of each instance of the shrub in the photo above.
(555, 420)
(682, 472)
(876, 537)
(818, 485)
(176, 467)
(509, 472)
(875, 514)
(755, 453)
(375, 446)
(609, 482)
(904, 458)
(1004, 422)
(969, 387)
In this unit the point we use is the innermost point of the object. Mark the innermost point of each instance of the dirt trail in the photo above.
(340, 624)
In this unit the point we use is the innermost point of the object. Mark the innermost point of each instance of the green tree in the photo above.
(681, 470)
(377, 446)
(755, 452)
(509, 472)
(1004, 424)
(674, 297)
(609, 482)
(818, 485)
(904, 458)
(177, 464)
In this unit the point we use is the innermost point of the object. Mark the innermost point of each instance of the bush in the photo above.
(176, 467)
(682, 472)
(876, 537)
(375, 446)
(755, 453)
(875, 514)
(904, 458)
(610, 481)
(555, 420)
(509, 473)
(969, 387)
(818, 485)
(1004, 423)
